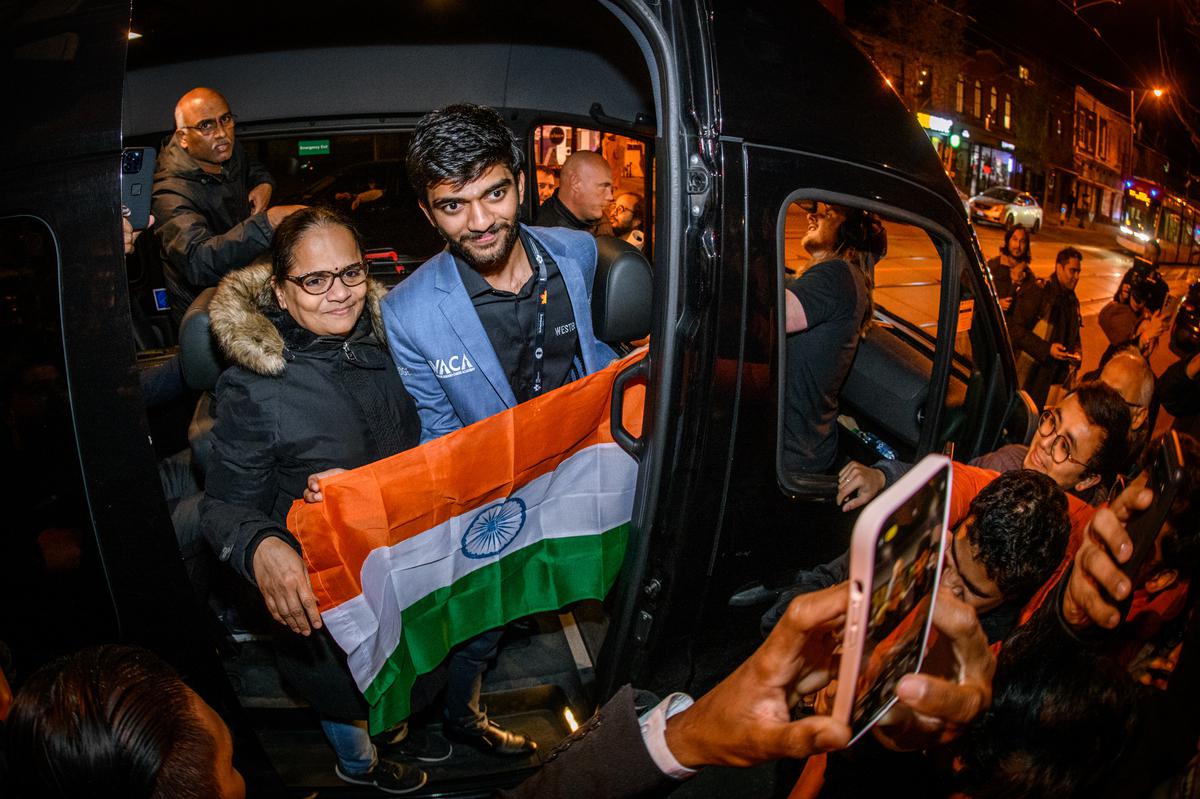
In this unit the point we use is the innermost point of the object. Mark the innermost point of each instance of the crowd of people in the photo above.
(1052, 672)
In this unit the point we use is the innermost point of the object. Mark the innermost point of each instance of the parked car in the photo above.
(737, 148)
(1008, 207)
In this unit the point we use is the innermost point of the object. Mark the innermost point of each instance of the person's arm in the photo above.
(1179, 387)
(797, 320)
(200, 255)
(239, 493)
(1026, 311)
(438, 416)
(1096, 577)
(953, 688)
(858, 483)
(256, 174)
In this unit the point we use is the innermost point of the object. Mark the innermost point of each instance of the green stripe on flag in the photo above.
(544, 576)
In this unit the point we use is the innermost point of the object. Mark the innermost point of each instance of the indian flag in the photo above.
(524, 512)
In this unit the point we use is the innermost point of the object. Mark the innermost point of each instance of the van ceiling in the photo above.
(289, 61)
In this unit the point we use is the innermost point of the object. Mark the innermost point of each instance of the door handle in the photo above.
(626, 440)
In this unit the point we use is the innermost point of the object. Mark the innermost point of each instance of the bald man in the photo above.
(583, 195)
(1130, 374)
(210, 199)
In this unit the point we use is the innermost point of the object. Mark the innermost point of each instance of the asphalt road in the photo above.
(908, 279)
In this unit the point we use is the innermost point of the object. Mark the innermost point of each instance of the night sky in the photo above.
(1104, 42)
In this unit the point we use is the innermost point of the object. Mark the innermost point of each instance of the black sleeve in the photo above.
(605, 757)
(826, 291)
(1027, 309)
(240, 483)
(191, 246)
(1178, 393)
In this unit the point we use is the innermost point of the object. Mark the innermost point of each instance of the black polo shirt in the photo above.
(511, 324)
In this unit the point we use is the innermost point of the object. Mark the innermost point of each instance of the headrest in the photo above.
(198, 356)
(621, 293)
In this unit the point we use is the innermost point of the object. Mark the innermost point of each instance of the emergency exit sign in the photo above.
(314, 147)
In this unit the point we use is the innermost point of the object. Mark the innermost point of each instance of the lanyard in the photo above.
(539, 332)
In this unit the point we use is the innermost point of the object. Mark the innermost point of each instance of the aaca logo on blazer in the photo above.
(453, 366)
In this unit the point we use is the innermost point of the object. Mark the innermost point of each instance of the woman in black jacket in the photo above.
(311, 388)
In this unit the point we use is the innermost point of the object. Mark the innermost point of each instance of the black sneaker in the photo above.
(387, 776)
(415, 745)
(493, 739)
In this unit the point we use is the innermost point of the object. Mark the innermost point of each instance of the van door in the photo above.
(90, 554)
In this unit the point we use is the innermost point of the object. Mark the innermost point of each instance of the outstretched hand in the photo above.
(1096, 575)
(858, 484)
(746, 719)
(955, 685)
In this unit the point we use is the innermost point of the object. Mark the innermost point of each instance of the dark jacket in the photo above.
(1180, 396)
(1044, 300)
(293, 404)
(554, 214)
(1002, 277)
(203, 221)
(605, 757)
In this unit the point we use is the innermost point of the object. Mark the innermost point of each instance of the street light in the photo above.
(1157, 92)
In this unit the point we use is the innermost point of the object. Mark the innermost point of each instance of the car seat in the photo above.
(201, 364)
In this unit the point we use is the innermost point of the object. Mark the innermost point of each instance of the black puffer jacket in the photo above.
(291, 405)
(203, 221)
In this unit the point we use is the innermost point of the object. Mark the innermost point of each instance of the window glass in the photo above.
(894, 355)
(51, 569)
(362, 175)
(629, 158)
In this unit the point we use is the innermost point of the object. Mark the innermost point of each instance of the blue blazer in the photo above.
(442, 351)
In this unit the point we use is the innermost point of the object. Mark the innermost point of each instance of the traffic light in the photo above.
(955, 140)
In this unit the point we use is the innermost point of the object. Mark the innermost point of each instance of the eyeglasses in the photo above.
(208, 127)
(317, 283)
(1060, 448)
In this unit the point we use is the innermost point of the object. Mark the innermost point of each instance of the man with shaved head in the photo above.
(583, 195)
(210, 199)
(1130, 374)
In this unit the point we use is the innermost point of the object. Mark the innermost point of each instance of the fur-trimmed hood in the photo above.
(240, 326)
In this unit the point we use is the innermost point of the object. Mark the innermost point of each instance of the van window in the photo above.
(362, 175)
(881, 384)
(632, 170)
(49, 560)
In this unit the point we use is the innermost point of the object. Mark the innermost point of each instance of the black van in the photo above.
(731, 116)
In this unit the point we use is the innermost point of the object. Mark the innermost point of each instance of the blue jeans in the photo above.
(352, 744)
(464, 679)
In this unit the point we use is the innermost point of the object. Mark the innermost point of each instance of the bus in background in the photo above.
(1158, 225)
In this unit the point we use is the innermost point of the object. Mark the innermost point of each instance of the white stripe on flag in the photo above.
(589, 493)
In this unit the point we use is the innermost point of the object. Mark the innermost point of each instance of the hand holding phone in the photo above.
(137, 182)
(895, 567)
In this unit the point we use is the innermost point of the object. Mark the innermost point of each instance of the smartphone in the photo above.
(895, 567)
(137, 181)
(1166, 477)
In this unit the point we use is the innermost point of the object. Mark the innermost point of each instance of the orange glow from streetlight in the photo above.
(1158, 92)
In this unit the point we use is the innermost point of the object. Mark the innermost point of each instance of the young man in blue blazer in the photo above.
(503, 314)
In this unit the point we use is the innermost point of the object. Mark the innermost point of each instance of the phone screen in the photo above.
(907, 563)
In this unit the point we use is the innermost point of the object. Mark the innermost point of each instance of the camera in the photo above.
(131, 161)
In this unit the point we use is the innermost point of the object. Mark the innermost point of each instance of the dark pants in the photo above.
(464, 680)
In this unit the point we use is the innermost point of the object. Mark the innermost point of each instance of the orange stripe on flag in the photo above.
(385, 502)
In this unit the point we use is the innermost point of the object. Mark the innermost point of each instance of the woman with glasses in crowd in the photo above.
(312, 388)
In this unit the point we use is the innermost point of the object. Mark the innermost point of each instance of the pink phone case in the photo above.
(867, 531)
